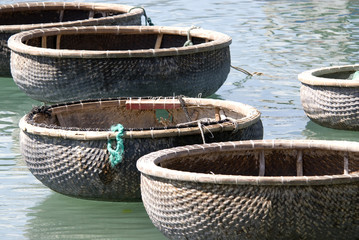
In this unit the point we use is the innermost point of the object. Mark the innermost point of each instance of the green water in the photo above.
(277, 38)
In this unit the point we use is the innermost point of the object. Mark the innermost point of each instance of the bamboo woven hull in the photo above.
(190, 75)
(330, 97)
(81, 167)
(213, 191)
(62, 65)
(333, 107)
(250, 212)
(18, 17)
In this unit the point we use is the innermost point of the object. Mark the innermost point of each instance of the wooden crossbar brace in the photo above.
(217, 114)
(61, 15)
(262, 163)
(44, 42)
(58, 41)
(158, 41)
(300, 163)
(91, 14)
(346, 164)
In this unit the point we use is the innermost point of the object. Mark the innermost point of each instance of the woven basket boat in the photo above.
(37, 15)
(65, 145)
(276, 189)
(330, 98)
(78, 63)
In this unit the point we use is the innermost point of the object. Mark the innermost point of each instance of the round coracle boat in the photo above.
(78, 63)
(273, 189)
(71, 149)
(18, 17)
(330, 96)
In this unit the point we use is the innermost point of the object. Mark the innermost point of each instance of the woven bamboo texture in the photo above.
(330, 98)
(276, 189)
(18, 17)
(65, 146)
(107, 62)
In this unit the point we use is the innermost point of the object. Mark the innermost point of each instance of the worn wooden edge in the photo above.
(70, 6)
(217, 41)
(312, 77)
(148, 164)
(250, 116)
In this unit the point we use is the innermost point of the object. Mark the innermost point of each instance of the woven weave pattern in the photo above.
(188, 210)
(57, 80)
(269, 189)
(334, 107)
(82, 169)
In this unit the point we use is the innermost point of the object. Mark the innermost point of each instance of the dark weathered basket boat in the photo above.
(65, 146)
(19, 17)
(107, 62)
(330, 98)
(276, 189)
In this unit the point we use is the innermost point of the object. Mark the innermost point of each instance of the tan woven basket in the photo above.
(38, 15)
(275, 189)
(65, 146)
(330, 98)
(77, 63)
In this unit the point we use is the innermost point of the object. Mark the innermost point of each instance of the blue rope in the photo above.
(116, 154)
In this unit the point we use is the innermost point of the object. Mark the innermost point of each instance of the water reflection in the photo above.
(61, 217)
(279, 38)
(315, 131)
(319, 34)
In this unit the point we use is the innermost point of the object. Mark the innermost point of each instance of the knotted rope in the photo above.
(189, 41)
(116, 154)
(147, 19)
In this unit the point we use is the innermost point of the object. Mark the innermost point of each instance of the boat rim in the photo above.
(148, 164)
(63, 6)
(312, 77)
(251, 116)
(217, 41)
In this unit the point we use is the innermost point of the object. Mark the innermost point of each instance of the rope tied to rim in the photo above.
(116, 154)
(189, 41)
(147, 19)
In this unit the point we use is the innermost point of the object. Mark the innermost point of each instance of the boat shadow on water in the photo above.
(62, 217)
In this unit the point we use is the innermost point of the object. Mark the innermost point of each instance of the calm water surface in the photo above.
(277, 38)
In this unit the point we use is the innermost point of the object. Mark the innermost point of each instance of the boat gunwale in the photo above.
(312, 77)
(251, 116)
(124, 9)
(217, 41)
(148, 164)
